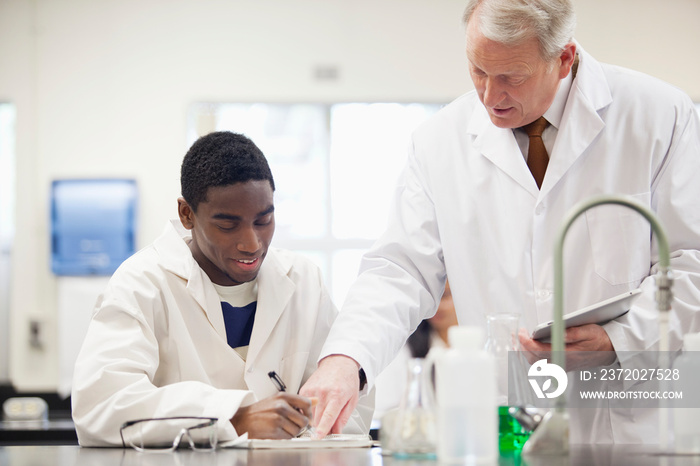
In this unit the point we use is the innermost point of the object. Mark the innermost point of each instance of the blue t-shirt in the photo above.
(238, 305)
(239, 323)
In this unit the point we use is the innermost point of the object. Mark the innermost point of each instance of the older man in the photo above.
(486, 187)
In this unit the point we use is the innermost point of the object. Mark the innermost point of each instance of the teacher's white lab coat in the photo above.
(467, 207)
(156, 345)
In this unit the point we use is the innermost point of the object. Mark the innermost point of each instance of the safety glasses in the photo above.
(167, 434)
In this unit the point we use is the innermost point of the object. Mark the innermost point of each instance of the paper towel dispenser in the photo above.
(93, 225)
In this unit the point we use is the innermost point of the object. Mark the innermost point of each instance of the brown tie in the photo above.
(537, 158)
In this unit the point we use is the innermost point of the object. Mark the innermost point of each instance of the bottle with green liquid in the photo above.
(511, 435)
(502, 339)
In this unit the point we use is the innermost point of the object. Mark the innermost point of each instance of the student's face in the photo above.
(231, 231)
(515, 84)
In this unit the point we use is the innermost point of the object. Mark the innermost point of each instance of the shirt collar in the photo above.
(556, 110)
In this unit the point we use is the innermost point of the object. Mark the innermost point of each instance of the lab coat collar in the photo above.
(556, 110)
(171, 246)
(499, 146)
(581, 122)
(590, 83)
(275, 290)
(176, 257)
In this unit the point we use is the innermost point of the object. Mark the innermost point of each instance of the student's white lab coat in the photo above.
(467, 207)
(156, 345)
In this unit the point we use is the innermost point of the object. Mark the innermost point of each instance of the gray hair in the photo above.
(510, 22)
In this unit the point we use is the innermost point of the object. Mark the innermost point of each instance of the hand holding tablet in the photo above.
(598, 313)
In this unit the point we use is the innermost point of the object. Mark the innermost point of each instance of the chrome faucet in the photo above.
(552, 435)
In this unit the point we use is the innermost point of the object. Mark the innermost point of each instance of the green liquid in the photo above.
(511, 435)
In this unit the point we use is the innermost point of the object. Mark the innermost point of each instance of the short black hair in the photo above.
(221, 158)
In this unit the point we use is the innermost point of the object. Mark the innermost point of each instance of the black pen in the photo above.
(281, 387)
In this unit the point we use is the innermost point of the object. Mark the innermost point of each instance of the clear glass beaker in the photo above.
(503, 343)
(414, 432)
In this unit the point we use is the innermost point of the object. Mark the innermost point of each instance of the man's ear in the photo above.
(566, 59)
(186, 213)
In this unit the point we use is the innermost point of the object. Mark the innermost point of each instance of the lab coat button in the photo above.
(539, 209)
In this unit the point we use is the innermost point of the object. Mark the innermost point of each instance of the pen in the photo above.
(281, 387)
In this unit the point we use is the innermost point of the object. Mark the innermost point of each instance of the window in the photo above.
(335, 167)
(7, 225)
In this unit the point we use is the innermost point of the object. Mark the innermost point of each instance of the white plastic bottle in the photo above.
(686, 421)
(465, 384)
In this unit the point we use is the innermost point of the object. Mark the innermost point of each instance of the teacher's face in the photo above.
(515, 84)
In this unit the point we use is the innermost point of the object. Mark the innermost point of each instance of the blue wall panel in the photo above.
(93, 225)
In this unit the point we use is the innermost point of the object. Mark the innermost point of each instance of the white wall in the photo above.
(17, 85)
(102, 88)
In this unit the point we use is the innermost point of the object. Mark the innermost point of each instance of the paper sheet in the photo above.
(330, 441)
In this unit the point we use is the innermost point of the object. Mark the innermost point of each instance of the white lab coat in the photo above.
(467, 207)
(156, 345)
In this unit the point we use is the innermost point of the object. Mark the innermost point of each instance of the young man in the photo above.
(192, 324)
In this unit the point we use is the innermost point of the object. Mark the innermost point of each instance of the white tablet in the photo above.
(598, 313)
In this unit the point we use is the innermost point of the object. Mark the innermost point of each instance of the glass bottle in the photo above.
(503, 343)
(414, 434)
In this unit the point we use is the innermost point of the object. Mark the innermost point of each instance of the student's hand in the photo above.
(336, 384)
(283, 415)
(586, 346)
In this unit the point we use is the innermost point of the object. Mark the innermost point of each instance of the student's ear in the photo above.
(186, 213)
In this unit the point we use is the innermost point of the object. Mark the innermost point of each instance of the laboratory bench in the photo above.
(64, 455)
(52, 432)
